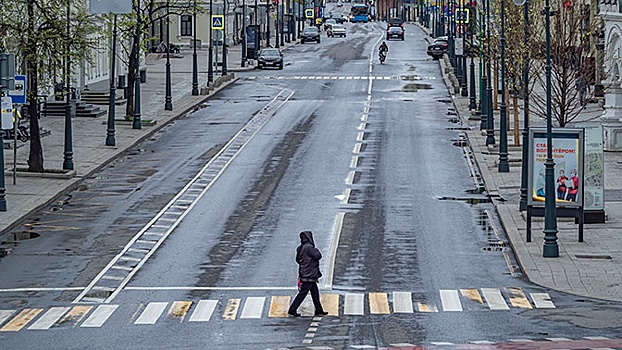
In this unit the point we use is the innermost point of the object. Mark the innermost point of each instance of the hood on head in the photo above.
(306, 237)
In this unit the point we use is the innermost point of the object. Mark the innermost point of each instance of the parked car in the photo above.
(270, 57)
(329, 22)
(310, 34)
(336, 30)
(438, 47)
(395, 32)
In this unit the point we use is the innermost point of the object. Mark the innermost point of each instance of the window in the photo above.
(186, 25)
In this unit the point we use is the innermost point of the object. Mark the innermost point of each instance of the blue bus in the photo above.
(359, 13)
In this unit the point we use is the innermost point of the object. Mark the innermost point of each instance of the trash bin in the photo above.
(121, 81)
(143, 75)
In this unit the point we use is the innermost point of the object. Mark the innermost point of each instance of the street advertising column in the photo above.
(568, 158)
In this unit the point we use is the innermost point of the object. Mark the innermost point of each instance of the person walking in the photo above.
(308, 258)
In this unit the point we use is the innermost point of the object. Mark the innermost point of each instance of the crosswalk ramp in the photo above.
(276, 306)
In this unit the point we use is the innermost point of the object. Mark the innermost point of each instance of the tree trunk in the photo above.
(131, 76)
(35, 157)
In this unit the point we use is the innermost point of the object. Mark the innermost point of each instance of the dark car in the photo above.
(395, 32)
(270, 57)
(310, 34)
(340, 18)
(395, 22)
(438, 47)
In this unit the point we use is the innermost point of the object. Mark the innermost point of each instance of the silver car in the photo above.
(336, 30)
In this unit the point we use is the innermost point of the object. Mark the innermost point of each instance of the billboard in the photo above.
(568, 158)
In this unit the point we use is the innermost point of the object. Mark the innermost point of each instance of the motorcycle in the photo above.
(382, 56)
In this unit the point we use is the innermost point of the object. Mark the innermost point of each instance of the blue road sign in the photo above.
(18, 93)
(218, 22)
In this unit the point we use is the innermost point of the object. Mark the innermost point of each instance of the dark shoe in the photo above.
(321, 313)
(293, 313)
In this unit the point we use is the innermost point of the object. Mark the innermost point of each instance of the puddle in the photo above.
(414, 87)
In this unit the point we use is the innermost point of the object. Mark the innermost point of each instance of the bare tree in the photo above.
(570, 72)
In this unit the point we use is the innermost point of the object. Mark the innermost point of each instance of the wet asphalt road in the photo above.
(369, 165)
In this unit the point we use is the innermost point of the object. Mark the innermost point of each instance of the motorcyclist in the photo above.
(383, 50)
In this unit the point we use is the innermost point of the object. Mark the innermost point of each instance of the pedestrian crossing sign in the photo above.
(308, 13)
(218, 22)
(462, 15)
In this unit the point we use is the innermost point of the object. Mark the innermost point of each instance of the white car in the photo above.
(336, 30)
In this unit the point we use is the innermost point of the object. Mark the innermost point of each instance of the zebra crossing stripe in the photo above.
(450, 300)
(378, 303)
(402, 302)
(203, 311)
(330, 303)
(152, 312)
(518, 298)
(494, 299)
(49, 318)
(231, 310)
(422, 307)
(179, 309)
(99, 316)
(75, 315)
(353, 304)
(5, 314)
(542, 300)
(21, 320)
(279, 306)
(253, 307)
(472, 294)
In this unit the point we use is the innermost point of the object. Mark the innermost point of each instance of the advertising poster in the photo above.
(594, 169)
(568, 159)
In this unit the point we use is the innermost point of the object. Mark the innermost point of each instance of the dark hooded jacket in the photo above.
(308, 258)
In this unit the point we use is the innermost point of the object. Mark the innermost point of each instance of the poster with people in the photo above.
(567, 154)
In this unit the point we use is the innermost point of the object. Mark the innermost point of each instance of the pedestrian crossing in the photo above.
(329, 77)
(276, 306)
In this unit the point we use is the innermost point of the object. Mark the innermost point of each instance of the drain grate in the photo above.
(597, 257)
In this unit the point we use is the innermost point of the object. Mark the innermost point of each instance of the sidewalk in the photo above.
(592, 268)
(89, 134)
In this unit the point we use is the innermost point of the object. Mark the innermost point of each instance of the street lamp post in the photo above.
(282, 22)
(490, 124)
(195, 69)
(168, 104)
(210, 55)
(504, 165)
(267, 23)
(524, 174)
(68, 153)
(136, 123)
(110, 140)
(483, 104)
(243, 62)
(472, 98)
(550, 249)
(277, 29)
(225, 5)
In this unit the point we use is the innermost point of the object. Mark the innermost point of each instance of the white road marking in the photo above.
(253, 307)
(203, 311)
(542, 300)
(402, 302)
(494, 299)
(450, 300)
(49, 318)
(5, 314)
(152, 312)
(353, 304)
(99, 316)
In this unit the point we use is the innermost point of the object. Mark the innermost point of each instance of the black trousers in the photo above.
(305, 288)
